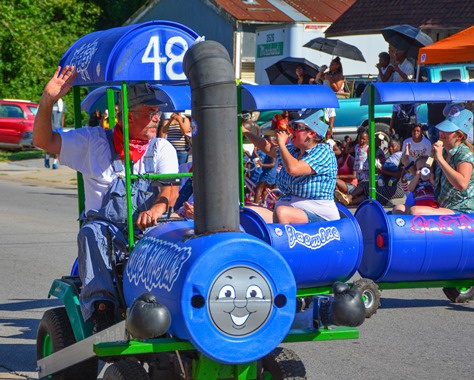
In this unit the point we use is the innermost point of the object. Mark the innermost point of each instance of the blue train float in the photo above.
(214, 297)
(205, 299)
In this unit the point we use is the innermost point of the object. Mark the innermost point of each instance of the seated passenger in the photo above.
(421, 186)
(454, 175)
(390, 172)
(308, 172)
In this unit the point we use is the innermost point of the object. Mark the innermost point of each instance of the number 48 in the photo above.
(152, 55)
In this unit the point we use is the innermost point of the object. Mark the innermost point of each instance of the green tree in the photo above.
(35, 34)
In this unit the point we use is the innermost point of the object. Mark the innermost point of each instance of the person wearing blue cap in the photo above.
(454, 174)
(308, 173)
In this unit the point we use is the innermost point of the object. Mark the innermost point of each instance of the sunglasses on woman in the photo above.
(299, 127)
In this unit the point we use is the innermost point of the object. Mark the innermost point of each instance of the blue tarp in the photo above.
(419, 92)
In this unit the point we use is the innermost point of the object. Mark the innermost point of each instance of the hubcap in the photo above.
(47, 346)
(368, 298)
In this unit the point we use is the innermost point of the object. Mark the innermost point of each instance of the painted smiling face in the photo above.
(240, 301)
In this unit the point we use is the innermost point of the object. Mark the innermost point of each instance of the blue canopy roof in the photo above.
(265, 97)
(152, 52)
(174, 98)
(96, 98)
(287, 97)
(419, 92)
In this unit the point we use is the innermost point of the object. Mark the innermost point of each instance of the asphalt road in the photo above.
(417, 334)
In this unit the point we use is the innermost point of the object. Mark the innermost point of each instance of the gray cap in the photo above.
(142, 93)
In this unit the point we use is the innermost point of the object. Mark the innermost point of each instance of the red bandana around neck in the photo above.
(137, 148)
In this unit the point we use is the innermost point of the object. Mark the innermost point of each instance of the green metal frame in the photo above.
(426, 284)
(67, 293)
(372, 147)
(207, 369)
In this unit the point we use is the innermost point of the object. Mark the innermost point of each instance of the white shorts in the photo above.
(324, 208)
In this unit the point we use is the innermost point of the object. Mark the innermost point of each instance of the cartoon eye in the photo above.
(254, 291)
(227, 291)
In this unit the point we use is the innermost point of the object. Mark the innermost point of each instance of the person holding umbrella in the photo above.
(333, 78)
(301, 76)
(404, 70)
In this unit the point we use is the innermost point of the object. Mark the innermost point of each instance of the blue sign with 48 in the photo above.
(152, 52)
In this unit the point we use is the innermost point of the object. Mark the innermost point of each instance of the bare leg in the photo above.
(426, 210)
(289, 215)
(401, 209)
(341, 186)
(265, 213)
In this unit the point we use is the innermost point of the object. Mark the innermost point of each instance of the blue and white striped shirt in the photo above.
(321, 184)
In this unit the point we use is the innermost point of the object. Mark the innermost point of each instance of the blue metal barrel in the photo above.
(319, 254)
(230, 294)
(415, 247)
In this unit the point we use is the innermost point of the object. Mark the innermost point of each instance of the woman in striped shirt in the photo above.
(176, 127)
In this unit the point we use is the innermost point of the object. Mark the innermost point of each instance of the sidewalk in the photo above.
(34, 172)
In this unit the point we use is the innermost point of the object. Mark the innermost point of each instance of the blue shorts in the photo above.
(313, 217)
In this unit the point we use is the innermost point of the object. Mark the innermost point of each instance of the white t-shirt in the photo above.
(87, 151)
(417, 149)
(383, 70)
(407, 68)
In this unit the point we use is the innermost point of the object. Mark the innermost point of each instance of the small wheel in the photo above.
(459, 295)
(126, 371)
(54, 334)
(283, 364)
(370, 294)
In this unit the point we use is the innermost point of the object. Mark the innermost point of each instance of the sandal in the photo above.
(341, 197)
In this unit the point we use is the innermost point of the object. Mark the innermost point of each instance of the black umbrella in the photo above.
(406, 37)
(335, 47)
(284, 71)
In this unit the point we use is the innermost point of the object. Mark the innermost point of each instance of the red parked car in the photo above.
(16, 123)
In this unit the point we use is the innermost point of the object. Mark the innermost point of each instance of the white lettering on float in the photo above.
(316, 241)
(156, 263)
(82, 58)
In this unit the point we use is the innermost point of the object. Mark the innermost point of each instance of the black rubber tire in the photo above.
(370, 294)
(126, 371)
(458, 295)
(55, 327)
(283, 364)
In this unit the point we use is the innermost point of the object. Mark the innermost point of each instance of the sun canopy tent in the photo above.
(457, 48)
(152, 51)
(415, 92)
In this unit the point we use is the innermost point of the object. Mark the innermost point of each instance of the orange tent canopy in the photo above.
(456, 48)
